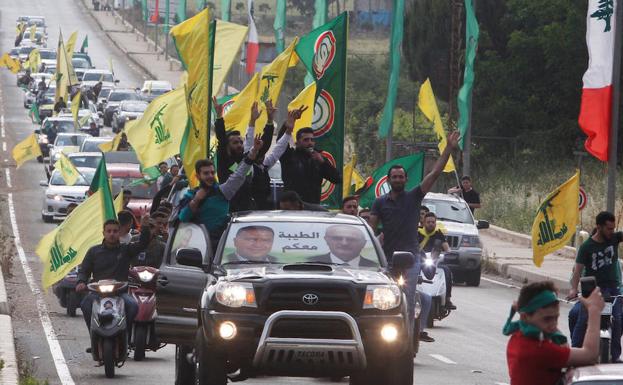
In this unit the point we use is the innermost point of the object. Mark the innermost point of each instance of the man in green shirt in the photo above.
(598, 257)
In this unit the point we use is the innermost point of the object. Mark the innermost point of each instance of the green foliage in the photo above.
(29, 380)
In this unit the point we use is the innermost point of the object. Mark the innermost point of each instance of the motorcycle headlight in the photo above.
(470, 241)
(145, 276)
(106, 288)
(382, 297)
(429, 262)
(235, 294)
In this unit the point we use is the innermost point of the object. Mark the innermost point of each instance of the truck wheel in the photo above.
(184, 370)
(472, 278)
(72, 303)
(140, 340)
(209, 365)
(109, 357)
(398, 371)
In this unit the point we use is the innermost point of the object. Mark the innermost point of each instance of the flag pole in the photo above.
(211, 42)
(616, 86)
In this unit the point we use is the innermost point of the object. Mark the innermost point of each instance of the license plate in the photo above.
(310, 355)
(607, 309)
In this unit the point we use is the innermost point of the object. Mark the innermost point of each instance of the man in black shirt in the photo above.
(470, 195)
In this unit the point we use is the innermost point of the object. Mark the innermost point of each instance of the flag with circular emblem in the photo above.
(323, 52)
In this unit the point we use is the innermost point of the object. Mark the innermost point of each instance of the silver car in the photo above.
(128, 110)
(58, 195)
(461, 231)
(602, 374)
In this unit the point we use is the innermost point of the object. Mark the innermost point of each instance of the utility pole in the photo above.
(616, 88)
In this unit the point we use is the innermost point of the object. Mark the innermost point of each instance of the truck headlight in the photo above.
(470, 241)
(235, 294)
(382, 297)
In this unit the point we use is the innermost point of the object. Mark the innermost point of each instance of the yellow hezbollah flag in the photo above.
(69, 172)
(357, 180)
(118, 202)
(348, 175)
(556, 219)
(229, 38)
(12, 64)
(193, 147)
(271, 80)
(428, 105)
(157, 135)
(34, 60)
(237, 117)
(71, 43)
(112, 144)
(33, 33)
(26, 149)
(75, 108)
(65, 75)
(306, 98)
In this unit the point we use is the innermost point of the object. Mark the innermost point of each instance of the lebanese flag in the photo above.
(253, 44)
(596, 109)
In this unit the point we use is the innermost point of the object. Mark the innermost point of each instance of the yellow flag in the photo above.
(34, 60)
(157, 135)
(75, 108)
(357, 180)
(26, 149)
(110, 67)
(556, 219)
(307, 98)
(118, 202)
(271, 80)
(112, 144)
(348, 176)
(20, 28)
(229, 38)
(71, 43)
(65, 75)
(237, 117)
(193, 147)
(69, 172)
(428, 105)
(12, 64)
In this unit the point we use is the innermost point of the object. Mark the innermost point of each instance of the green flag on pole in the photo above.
(320, 19)
(323, 52)
(180, 12)
(226, 10)
(144, 10)
(472, 31)
(34, 113)
(394, 64)
(413, 165)
(85, 44)
(280, 26)
(100, 184)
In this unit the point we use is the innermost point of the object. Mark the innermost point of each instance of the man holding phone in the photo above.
(598, 257)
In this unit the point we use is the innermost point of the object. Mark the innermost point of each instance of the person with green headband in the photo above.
(537, 351)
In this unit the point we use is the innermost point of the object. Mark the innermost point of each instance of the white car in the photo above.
(92, 76)
(92, 144)
(153, 88)
(454, 215)
(66, 143)
(58, 195)
(86, 159)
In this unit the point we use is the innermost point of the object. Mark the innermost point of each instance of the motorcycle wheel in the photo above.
(210, 367)
(140, 341)
(108, 347)
(604, 350)
(184, 370)
(72, 303)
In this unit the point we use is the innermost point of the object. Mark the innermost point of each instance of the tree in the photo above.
(604, 11)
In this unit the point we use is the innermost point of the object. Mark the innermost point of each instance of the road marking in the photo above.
(500, 283)
(55, 348)
(8, 178)
(2, 132)
(443, 359)
(501, 383)
(3, 146)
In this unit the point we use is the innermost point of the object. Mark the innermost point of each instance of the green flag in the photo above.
(323, 52)
(472, 31)
(85, 45)
(394, 64)
(144, 10)
(225, 10)
(413, 165)
(101, 185)
(181, 11)
(34, 113)
(280, 26)
(320, 19)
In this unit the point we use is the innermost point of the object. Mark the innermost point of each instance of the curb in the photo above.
(525, 240)
(4, 301)
(521, 276)
(9, 375)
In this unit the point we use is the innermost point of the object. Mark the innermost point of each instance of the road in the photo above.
(470, 348)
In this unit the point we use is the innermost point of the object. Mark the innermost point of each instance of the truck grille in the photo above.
(453, 241)
(290, 297)
(311, 328)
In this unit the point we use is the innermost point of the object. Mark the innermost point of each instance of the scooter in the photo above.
(605, 328)
(434, 284)
(65, 290)
(142, 288)
(109, 335)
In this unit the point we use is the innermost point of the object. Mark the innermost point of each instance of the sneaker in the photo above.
(450, 305)
(424, 337)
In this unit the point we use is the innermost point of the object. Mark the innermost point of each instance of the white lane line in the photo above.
(8, 178)
(2, 132)
(443, 359)
(55, 348)
(501, 383)
(500, 283)
(3, 146)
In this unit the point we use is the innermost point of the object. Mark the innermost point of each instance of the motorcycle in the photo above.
(142, 288)
(434, 284)
(66, 293)
(605, 328)
(109, 335)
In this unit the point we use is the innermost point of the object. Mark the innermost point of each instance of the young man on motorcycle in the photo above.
(537, 351)
(427, 236)
(598, 257)
(111, 260)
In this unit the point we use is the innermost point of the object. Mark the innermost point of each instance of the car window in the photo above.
(134, 107)
(92, 145)
(296, 242)
(79, 63)
(48, 55)
(451, 211)
(139, 190)
(119, 96)
(91, 76)
(83, 180)
(189, 235)
(26, 50)
(90, 161)
(105, 92)
(68, 140)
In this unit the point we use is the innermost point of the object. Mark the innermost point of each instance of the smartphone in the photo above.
(587, 285)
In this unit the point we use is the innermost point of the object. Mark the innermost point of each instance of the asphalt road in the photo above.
(470, 348)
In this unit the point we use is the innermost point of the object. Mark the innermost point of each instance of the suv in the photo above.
(115, 98)
(454, 214)
(277, 300)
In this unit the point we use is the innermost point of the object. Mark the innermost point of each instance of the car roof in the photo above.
(99, 139)
(72, 134)
(124, 102)
(599, 372)
(121, 157)
(157, 84)
(443, 197)
(60, 118)
(76, 154)
(124, 170)
(296, 216)
(97, 71)
(124, 90)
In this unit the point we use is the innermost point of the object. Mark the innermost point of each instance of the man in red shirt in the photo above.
(537, 351)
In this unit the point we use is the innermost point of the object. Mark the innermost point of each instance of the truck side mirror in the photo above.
(480, 225)
(402, 260)
(189, 257)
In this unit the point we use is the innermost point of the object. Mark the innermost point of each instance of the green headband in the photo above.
(541, 300)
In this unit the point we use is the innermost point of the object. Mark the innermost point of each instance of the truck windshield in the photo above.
(451, 211)
(299, 242)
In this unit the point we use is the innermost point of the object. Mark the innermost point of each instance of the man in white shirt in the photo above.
(345, 244)
(126, 219)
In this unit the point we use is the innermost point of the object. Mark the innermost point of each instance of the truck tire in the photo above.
(472, 278)
(140, 341)
(184, 370)
(210, 367)
(398, 371)
(109, 357)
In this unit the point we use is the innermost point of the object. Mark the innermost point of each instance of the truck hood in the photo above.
(276, 272)
(460, 228)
